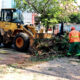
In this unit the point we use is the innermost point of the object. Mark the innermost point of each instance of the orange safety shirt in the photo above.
(74, 36)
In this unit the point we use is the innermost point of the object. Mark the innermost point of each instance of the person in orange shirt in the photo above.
(74, 39)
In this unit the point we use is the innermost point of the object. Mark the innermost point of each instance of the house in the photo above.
(29, 18)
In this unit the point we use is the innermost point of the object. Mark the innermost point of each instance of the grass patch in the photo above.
(46, 57)
(50, 69)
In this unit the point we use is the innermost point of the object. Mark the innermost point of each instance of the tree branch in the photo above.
(33, 6)
(44, 11)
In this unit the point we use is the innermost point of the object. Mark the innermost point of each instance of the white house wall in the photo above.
(28, 18)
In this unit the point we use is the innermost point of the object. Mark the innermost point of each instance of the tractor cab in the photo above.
(11, 15)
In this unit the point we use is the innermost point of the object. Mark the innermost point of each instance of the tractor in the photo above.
(13, 31)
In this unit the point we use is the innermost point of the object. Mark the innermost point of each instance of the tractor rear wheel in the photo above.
(21, 42)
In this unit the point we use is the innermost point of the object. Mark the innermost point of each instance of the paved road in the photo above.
(10, 56)
(58, 69)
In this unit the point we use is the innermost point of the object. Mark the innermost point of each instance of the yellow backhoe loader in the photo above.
(13, 31)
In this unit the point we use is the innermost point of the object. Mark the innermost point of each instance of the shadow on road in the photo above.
(58, 71)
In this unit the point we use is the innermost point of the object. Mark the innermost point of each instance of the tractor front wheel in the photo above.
(21, 42)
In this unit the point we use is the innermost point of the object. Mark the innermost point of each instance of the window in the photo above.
(17, 16)
(7, 16)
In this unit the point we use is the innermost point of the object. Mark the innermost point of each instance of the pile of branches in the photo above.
(55, 45)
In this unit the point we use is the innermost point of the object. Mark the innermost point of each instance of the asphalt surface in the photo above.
(57, 69)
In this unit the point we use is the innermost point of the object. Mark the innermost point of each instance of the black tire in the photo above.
(26, 42)
(7, 45)
(1, 38)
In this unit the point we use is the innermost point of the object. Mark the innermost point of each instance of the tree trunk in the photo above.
(62, 28)
(47, 27)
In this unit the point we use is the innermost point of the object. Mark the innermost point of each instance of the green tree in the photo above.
(68, 8)
(75, 18)
(52, 11)
(49, 9)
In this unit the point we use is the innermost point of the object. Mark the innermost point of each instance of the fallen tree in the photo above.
(53, 46)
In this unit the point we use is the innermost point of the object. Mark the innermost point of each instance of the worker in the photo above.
(74, 39)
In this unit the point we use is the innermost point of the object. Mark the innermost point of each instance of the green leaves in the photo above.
(54, 20)
(52, 11)
(75, 18)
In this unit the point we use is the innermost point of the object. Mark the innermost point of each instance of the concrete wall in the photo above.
(68, 27)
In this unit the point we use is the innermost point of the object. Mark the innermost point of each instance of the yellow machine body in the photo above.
(8, 26)
(13, 31)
